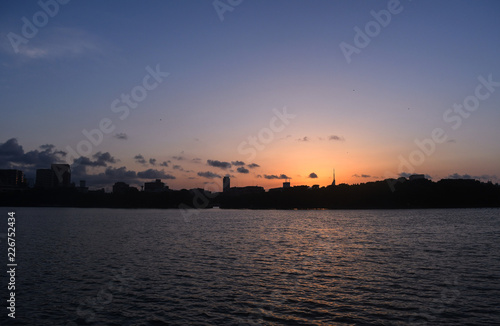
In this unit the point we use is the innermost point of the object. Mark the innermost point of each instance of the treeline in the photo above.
(373, 195)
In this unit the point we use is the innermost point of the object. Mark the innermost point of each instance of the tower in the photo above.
(226, 184)
(333, 182)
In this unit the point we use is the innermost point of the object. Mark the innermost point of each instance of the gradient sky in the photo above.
(227, 76)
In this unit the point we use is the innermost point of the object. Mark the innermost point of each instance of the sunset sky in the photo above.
(178, 87)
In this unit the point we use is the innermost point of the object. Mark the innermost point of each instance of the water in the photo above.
(244, 267)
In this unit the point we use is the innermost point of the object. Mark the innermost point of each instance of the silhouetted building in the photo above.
(45, 178)
(226, 184)
(121, 187)
(245, 190)
(417, 177)
(12, 179)
(286, 184)
(63, 174)
(155, 186)
(315, 187)
(83, 188)
(59, 175)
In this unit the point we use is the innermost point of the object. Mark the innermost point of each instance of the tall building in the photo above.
(63, 174)
(45, 178)
(226, 184)
(59, 175)
(12, 179)
(286, 184)
(333, 182)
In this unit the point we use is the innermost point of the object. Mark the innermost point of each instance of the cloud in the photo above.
(336, 138)
(154, 174)
(140, 159)
(313, 175)
(196, 160)
(484, 177)
(303, 139)
(178, 167)
(209, 175)
(219, 164)
(85, 161)
(178, 158)
(152, 161)
(121, 135)
(238, 163)
(362, 176)
(273, 176)
(253, 165)
(164, 163)
(12, 154)
(104, 157)
(241, 169)
(58, 42)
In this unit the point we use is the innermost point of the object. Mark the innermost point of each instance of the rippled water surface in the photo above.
(244, 267)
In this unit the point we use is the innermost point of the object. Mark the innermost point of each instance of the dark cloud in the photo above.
(164, 163)
(140, 159)
(120, 173)
(219, 164)
(85, 161)
(253, 165)
(209, 175)
(178, 167)
(313, 175)
(154, 174)
(104, 158)
(47, 146)
(242, 169)
(152, 161)
(303, 139)
(337, 138)
(121, 135)
(178, 158)
(11, 153)
(484, 177)
(196, 160)
(273, 176)
(238, 163)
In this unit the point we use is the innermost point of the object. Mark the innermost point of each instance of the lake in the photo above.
(254, 267)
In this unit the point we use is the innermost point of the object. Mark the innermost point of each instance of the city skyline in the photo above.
(262, 92)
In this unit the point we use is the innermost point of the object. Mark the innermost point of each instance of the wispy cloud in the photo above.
(219, 164)
(140, 159)
(336, 138)
(56, 43)
(273, 176)
(209, 175)
(242, 169)
(121, 135)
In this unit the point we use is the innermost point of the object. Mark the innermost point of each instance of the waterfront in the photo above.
(252, 267)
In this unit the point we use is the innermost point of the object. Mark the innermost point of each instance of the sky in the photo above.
(191, 91)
